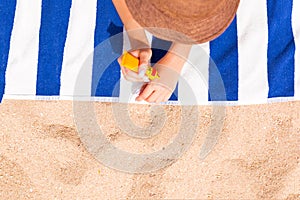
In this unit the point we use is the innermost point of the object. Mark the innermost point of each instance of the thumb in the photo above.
(144, 62)
(135, 53)
(145, 57)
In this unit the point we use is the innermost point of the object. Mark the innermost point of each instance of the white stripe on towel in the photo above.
(21, 70)
(296, 31)
(195, 74)
(125, 86)
(252, 25)
(78, 52)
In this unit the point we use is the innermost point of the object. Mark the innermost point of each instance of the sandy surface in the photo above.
(256, 157)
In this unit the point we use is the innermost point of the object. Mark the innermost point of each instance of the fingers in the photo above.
(154, 94)
(135, 53)
(144, 56)
(145, 93)
(164, 97)
(153, 97)
(158, 96)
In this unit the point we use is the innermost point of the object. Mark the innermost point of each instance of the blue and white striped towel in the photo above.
(45, 43)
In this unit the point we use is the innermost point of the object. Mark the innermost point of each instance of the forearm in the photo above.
(136, 33)
(177, 56)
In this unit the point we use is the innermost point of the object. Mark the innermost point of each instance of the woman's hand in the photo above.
(168, 68)
(144, 56)
(154, 93)
(160, 90)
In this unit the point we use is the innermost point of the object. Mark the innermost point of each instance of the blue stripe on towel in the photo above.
(7, 14)
(53, 33)
(159, 51)
(224, 53)
(281, 49)
(108, 24)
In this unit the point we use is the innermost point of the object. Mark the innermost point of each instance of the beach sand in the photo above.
(256, 157)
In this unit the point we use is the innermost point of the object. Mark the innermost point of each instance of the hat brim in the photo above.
(182, 29)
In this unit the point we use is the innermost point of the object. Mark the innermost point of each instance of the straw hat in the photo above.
(184, 21)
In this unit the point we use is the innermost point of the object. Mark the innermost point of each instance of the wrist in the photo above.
(174, 61)
(136, 35)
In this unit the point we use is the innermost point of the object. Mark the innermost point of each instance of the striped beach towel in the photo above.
(47, 52)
